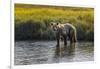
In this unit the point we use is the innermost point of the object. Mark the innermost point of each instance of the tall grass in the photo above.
(32, 21)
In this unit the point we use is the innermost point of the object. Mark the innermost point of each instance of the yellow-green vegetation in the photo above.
(32, 21)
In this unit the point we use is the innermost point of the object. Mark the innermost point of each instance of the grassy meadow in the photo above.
(32, 22)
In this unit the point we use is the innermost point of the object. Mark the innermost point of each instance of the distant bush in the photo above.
(33, 22)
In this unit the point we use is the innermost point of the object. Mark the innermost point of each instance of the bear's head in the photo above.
(54, 26)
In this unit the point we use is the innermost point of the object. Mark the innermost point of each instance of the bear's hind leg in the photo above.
(71, 38)
(65, 40)
(74, 38)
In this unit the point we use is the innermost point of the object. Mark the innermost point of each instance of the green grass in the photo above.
(32, 21)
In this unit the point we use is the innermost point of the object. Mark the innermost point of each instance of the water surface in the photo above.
(44, 52)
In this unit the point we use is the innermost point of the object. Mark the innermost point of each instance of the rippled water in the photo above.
(44, 52)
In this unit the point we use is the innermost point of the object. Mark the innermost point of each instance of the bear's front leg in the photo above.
(58, 39)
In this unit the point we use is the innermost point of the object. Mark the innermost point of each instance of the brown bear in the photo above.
(64, 31)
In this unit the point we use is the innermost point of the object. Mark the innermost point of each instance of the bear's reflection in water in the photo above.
(67, 51)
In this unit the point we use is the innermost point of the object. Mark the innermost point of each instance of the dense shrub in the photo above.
(33, 22)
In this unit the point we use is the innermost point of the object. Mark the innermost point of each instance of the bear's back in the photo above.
(69, 26)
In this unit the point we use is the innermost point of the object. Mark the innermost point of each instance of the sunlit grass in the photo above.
(43, 15)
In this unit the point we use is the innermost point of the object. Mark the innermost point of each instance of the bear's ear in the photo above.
(57, 23)
(51, 23)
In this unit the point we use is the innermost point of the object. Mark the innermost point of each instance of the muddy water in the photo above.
(45, 52)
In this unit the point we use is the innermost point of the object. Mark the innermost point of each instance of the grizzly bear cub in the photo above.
(64, 31)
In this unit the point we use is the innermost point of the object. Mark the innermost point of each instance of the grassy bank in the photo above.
(32, 21)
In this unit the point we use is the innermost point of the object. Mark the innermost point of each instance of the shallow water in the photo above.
(44, 52)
